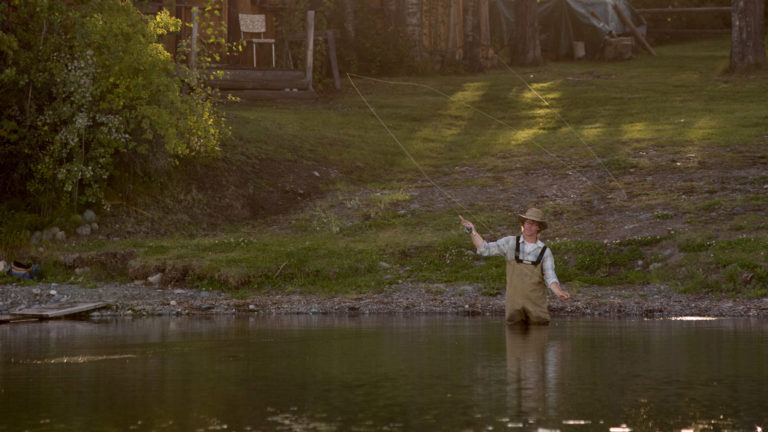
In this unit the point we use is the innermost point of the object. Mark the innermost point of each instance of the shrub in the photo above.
(89, 94)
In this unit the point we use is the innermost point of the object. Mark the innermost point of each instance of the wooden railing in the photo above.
(684, 10)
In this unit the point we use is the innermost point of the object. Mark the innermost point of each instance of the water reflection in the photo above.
(398, 373)
(532, 370)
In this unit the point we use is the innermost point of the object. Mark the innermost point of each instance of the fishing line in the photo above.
(502, 122)
(407, 153)
(568, 124)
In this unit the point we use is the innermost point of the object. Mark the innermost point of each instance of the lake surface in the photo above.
(383, 373)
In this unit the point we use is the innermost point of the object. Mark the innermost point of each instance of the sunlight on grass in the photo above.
(548, 91)
(369, 226)
(633, 131)
(705, 129)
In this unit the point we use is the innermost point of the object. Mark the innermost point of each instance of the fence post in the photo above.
(310, 47)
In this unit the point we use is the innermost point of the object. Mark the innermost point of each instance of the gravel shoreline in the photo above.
(136, 299)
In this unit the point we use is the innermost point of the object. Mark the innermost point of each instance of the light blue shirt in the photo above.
(528, 252)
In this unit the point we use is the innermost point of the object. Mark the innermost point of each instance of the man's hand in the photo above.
(477, 239)
(467, 224)
(558, 291)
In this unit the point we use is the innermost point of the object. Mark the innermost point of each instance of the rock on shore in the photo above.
(137, 299)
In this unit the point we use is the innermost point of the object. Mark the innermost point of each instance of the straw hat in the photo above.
(533, 214)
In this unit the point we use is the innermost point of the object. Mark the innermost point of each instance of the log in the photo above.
(249, 79)
(635, 32)
(259, 95)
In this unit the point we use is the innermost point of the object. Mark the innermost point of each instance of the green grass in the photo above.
(676, 100)
(676, 104)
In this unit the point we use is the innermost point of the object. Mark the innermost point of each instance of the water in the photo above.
(388, 373)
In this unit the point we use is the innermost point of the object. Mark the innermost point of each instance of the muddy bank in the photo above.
(145, 300)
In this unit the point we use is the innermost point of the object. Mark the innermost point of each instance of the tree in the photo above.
(472, 36)
(525, 47)
(88, 95)
(413, 26)
(747, 35)
(349, 19)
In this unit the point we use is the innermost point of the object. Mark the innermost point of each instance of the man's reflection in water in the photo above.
(532, 372)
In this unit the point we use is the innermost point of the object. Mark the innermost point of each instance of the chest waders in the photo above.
(526, 298)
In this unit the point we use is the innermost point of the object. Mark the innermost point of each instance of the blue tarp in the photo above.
(562, 22)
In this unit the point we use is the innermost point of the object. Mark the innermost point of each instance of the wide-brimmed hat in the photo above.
(533, 214)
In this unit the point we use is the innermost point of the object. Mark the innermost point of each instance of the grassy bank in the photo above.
(651, 170)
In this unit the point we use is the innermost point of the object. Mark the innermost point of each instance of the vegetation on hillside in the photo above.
(651, 171)
(91, 100)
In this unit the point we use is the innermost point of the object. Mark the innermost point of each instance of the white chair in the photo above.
(256, 23)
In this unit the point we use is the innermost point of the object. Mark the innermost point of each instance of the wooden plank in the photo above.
(244, 79)
(15, 318)
(257, 95)
(248, 73)
(320, 34)
(635, 32)
(332, 58)
(60, 310)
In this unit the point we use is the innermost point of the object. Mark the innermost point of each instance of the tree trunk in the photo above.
(233, 22)
(413, 27)
(472, 36)
(349, 28)
(747, 35)
(453, 44)
(484, 22)
(390, 6)
(525, 49)
(349, 19)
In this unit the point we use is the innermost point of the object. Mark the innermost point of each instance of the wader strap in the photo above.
(517, 254)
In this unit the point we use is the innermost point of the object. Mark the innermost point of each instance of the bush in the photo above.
(599, 263)
(89, 95)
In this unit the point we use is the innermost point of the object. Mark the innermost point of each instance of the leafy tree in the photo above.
(89, 94)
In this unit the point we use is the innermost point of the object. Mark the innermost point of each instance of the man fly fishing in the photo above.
(530, 269)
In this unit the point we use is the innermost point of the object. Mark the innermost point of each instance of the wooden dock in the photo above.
(51, 311)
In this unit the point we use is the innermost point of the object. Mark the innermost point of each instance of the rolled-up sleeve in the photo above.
(548, 268)
(498, 248)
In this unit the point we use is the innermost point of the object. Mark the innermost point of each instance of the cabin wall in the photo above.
(443, 31)
(440, 40)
